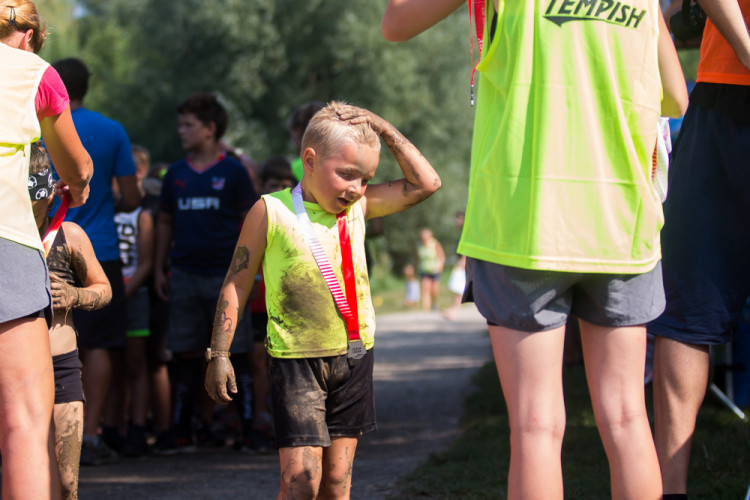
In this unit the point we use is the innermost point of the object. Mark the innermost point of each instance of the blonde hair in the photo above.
(326, 133)
(141, 155)
(21, 15)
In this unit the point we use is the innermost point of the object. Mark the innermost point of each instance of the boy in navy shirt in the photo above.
(203, 202)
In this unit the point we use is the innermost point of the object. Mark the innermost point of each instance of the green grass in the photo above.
(475, 466)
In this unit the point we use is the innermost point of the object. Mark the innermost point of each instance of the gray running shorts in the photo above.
(531, 300)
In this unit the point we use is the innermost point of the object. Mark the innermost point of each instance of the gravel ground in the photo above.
(423, 367)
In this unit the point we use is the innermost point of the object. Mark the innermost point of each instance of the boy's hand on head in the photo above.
(219, 376)
(356, 115)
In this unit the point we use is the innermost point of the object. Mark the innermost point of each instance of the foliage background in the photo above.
(263, 59)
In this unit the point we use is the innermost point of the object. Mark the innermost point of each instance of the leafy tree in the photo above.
(264, 58)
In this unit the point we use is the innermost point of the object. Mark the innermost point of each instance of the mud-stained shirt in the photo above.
(303, 320)
(59, 260)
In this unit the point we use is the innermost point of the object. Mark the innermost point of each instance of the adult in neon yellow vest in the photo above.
(562, 218)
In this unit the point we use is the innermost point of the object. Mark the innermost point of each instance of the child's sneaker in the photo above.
(171, 444)
(95, 452)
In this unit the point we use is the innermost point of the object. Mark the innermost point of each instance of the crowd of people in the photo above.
(118, 323)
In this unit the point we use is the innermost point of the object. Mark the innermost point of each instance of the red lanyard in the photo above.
(350, 281)
(477, 10)
(347, 304)
(54, 225)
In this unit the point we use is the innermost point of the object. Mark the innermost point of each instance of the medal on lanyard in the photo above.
(347, 304)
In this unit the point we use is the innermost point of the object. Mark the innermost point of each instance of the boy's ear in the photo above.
(308, 159)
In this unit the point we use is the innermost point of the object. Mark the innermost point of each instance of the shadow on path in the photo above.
(423, 369)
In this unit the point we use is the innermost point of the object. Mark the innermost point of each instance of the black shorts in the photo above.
(105, 328)
(156, 346)
(259, 322)
(68, 386)
(316, 399)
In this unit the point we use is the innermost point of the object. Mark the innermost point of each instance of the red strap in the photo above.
(477, 10)
(350, 282)
(55, 223)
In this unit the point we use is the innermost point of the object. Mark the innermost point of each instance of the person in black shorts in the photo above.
(705, 241)
(78, 282)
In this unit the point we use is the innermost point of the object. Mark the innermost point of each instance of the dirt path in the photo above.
(423, 367)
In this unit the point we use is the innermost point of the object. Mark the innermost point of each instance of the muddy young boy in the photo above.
(310, 241)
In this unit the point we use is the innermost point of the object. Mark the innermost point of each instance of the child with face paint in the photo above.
(320, 332)
(77, 280)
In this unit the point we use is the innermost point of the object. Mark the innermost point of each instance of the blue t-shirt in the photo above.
(207, 208)
(109, 147)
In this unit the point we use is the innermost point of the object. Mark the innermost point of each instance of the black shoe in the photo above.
(135, 443)
(207, 438)
(112, 438)
(96, 452)
(172, 444)
(255, 444)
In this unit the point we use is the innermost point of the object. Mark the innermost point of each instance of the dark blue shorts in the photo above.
(706, 235)
(192, 308)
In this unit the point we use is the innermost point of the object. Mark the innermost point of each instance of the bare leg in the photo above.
(680, 380)
(161, 399)
(614, 360)
(301, 472)
(435, 292)
(97, 372)
(68, 434)
(261, 387)
(425, 292)
(338, 458)
(530, 370)
(26, 399)
(450, 312)
(137, 375)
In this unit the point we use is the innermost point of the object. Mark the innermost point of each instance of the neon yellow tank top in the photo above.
(303, 320)
(568, 101)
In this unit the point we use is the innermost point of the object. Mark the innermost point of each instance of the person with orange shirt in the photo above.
(705, 239)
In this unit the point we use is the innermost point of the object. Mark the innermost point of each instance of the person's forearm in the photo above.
(418, 172)
(130, 195)
(675, 97)
(140, 277)
(226, 319)
(93, 297)
(727, 17)
(405, 19)
(72, 162)
(163, 240)
(238, 283)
